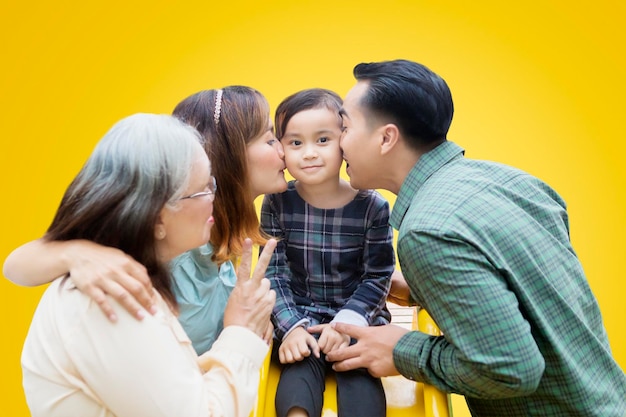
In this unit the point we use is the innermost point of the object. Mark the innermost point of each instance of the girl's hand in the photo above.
(330, 339)
(297, 345)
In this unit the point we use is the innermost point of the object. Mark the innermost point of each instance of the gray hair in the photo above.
(145, 153)
(142, 164)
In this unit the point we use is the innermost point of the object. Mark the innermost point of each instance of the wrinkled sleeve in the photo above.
(487, 350)
(285, 315)
(147, 368)
(370, 297)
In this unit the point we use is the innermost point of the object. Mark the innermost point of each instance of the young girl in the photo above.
(333, 262)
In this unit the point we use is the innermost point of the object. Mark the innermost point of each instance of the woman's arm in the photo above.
(37, 262)
(147, 368)
(95, 269)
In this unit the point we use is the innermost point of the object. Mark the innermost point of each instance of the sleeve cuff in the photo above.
(406, 355)
(300, 323)
(350, 317)
(241, 340)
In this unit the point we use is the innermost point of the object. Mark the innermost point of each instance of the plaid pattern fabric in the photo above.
(328, 259)
(486, 250)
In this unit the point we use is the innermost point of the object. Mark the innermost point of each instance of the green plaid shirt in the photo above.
(485, 249)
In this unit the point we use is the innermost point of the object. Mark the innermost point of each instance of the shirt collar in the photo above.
(427, 165)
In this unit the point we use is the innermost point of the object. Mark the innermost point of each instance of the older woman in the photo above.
(146, 190)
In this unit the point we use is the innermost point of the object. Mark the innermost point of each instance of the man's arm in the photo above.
(487, 348)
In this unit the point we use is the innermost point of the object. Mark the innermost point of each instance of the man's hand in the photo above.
(373, 349)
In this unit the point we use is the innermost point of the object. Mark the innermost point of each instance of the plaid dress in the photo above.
(328, 259)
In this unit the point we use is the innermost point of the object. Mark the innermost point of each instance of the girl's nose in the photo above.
(310, 153)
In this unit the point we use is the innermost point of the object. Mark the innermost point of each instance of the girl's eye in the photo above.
(323, 139)
(271, 142)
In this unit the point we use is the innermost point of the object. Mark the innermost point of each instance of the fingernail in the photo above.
(140, 314)
(153, 309)
(113, 317)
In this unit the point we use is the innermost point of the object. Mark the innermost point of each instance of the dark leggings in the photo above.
(302, 385)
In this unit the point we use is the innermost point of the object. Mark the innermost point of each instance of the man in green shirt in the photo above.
(485, 249)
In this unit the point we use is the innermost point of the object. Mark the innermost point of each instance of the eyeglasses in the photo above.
(212, 188)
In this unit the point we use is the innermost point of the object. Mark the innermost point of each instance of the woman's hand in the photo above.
(96, 270)
(251, 301)
(269, 333)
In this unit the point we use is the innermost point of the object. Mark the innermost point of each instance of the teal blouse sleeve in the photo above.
(202, 290)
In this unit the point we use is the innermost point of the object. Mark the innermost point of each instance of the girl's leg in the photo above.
(301, 385)
(360, 395)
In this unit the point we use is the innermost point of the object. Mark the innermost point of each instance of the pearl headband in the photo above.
(218, 106)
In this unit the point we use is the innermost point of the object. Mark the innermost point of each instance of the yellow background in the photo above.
(537, 84)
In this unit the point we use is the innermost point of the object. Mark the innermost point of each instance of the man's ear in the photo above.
(390, 138)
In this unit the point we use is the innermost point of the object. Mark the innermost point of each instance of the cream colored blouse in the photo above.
(75, 362)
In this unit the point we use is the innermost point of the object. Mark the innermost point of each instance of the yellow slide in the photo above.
(405, 398)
